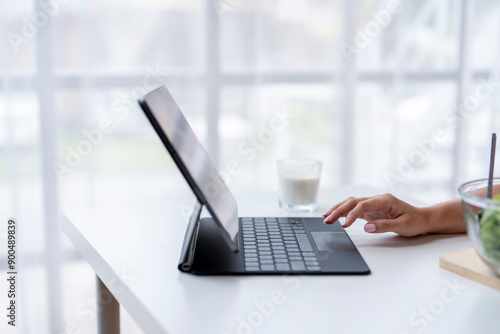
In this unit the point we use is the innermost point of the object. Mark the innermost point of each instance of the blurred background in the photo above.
(402, 96)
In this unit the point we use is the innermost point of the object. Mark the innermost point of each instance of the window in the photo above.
(401, 98)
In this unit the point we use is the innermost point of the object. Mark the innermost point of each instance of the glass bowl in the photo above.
(482, 218)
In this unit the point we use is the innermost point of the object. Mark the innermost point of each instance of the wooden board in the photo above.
(467, 263)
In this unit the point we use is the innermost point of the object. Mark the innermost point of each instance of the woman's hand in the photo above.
(383, 213)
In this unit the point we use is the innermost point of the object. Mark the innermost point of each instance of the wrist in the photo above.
(428, 215)
(444, 218)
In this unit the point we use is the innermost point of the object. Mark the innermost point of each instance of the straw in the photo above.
(492, 163)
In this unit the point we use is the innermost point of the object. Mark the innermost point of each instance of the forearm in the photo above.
(446, 217)
(483, 191)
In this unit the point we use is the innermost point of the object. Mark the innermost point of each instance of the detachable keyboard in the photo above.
(277, 245)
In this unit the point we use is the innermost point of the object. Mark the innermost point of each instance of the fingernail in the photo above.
(344, 222)
(370, 228)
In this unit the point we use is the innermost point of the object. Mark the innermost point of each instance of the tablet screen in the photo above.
(192, 160)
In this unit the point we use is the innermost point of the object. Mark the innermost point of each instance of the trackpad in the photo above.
(332, 241)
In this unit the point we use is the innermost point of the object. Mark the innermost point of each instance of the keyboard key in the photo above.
(297, 265)
(251, 264)
(279, 247)
(314, 268)
(247, 255)
(292, 249)
(280, 256)
(264, 249)
(267, 267)
(312, 263)
(295, 258)
(266, 261)
(249, 246)
(294, 253)
(247, 251)
(304, 243)
(278, 251)
(282, 267)
(281, 260)
(266, 257)
(252, 269)
(308, 254)
(265, 253)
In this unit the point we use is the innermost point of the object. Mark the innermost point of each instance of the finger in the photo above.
(326, 214)
(379, 203)
(399, 226)
(380, 226)
(342, 210)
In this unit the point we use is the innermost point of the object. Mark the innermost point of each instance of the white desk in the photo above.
(135, 252)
